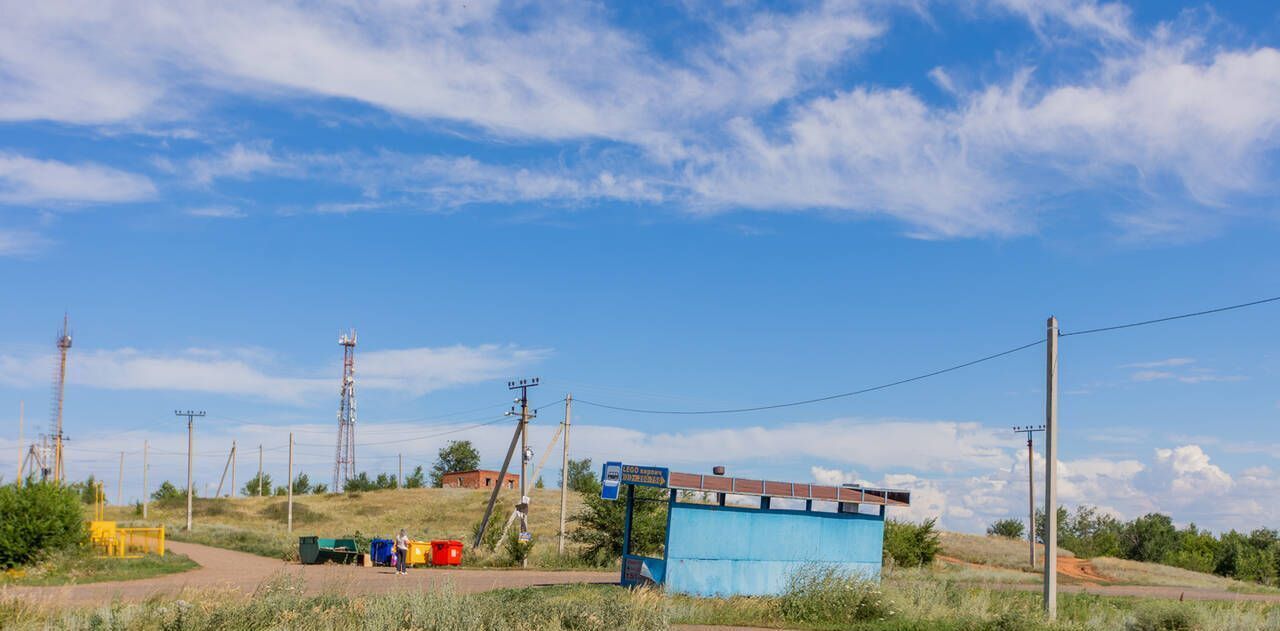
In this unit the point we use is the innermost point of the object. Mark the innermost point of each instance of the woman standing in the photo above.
(402, 552)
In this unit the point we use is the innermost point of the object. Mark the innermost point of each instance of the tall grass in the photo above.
(281, 603)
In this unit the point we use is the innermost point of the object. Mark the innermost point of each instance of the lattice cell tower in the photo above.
(344, 461)
(59, 388)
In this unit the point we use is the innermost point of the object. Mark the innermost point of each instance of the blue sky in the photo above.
(656, 205)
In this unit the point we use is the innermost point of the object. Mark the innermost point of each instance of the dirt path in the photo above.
(237, 571)
(228, 569)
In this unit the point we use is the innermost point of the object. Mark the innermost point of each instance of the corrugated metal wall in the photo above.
(724, 551)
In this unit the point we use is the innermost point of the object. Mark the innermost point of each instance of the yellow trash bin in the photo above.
(419, 553)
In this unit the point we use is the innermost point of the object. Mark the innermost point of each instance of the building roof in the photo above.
(794, 490)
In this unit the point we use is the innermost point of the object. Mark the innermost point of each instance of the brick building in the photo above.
(477, 479)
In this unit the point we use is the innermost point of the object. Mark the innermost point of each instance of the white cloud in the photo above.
(1108, 20)
(249, 373)
(26, 180)
(1162, 363)
(216, 212)
(238, 161)
(21, 243)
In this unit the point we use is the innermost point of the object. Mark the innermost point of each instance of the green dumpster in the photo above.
(315, 550)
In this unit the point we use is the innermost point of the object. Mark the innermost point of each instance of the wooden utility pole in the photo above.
(21, 413)
(1030, 431)
(120, 483)
(564, 473)
(1051, 472)
(259, 469)
(146, 497)
(290, 482)
(191, 447)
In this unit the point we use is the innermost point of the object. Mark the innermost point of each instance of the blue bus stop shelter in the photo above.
(742, 537)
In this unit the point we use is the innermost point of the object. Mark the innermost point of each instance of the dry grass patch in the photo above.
(1137, 573)
(989, 550)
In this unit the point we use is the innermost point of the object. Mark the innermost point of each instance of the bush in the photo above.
(517, 550)
(491, 534)
(167, 493)
(828, 595)
(279, 511)
(1162, 616)
(911, 545)
(38, 519)
(1011, 528)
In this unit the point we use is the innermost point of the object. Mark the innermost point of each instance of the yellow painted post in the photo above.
(162, 541)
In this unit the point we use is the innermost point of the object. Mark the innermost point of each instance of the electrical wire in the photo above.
(842, 395)
(1131, 325)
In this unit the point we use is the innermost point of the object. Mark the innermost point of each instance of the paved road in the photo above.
(227, 569)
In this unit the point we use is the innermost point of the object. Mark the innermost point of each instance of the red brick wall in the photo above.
(478, 480)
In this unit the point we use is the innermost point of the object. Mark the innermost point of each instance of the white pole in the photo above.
(564, 472)
(191, 448)
(233, 469)
(290, 482)
(400, 476)
(1051, 473)
(146, 497)
(259, 469)
(120, 483)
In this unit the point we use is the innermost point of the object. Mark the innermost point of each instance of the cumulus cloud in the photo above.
(250, 373)
(25, 180)
(732, 121)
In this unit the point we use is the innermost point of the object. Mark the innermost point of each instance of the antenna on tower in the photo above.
(59, 388)
(344, 461)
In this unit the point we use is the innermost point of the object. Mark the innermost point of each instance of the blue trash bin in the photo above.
(380, 551)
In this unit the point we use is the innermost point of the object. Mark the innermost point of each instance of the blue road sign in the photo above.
(641, 475)
(610, 480)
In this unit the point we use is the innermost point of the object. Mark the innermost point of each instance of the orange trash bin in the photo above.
(446, 552)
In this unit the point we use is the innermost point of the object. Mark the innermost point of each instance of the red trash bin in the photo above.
(446, 552)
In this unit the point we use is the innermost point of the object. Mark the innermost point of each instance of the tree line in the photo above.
(1153, 538)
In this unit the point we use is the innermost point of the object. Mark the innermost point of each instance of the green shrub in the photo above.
(491, 533)
(38, 519)
(517, 550)
(911, 545)
(279, 511)
(828, 595)
(600, 525)
(1162, 616)
(1011, 528)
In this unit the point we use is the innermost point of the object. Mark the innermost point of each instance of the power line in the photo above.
(825, 398)
(1169, 318)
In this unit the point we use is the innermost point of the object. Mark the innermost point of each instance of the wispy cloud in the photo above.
(216, 212)
(21, 243)
(1179, 369)
(25, 180)
(250, 373)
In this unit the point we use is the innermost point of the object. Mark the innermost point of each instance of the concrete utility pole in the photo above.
(259, 469)
(233, 469)
(564, 473)
(400, 476)
(191, 447)
(290, 483)
(120, 483)
(1051, 473)
(231, 455)
(524, 385)
(146, 496)
(1031, 487)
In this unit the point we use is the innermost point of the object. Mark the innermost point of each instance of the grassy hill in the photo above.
(257, 525)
